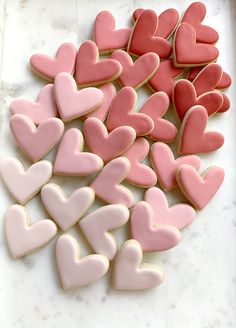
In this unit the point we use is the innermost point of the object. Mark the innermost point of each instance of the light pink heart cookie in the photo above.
(97, 225)
(151, 236)
(24, 238)
(165, 165)
(104, 144)
(48, 67)
(45, 107)
(129, 271)
(91, 71)
(74, 271)
(34, 141)
(121, 113)
(73, 103)
(70, 158)
(200, 189)
(155, 107)
(106, 36)
(107, 183)
(140, 174)
(178, 215)
(135, 74)
(66, 211)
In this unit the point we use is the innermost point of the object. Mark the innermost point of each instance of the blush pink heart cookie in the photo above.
(34, 141)
(200, 189)
(104, 144)
(135, 74)
(70, 158)
(106, 36)
(48, 67)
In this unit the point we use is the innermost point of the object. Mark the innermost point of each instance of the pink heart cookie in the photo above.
(165, 165)
(48, 67)
(193, 138)
(140, 174)
(106, 37)
(91, 71)
(107, 183)
(34, 141)
(200, 189)
(121, 113)
(73, 103)
(135, 74)
(178, 215)
(155, 107)
(104, 144)
(45, 107)
(70, 158)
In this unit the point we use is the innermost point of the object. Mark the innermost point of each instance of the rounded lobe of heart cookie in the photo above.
(135, 74)
(178, 215)
(104, 144)
(122, 113)
(129, 271)
(194, 15)
(143, 39)
(226, 103)
(71, 160)
(92, 71)
(97, 225)
(152, 237)
(155, 107)
(109, 93)
(24, 184)
(187, 52)
(107, 183)
(34, 141)
(140, 174)
(200, 189)
(49, 67)
(74, 271)
(66, 211)
(73, 103)
(24, 238)
(165, 165)
(193, 138)
(106, 37)
(45, 107)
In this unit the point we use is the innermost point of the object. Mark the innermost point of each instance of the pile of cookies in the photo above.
(177, 60)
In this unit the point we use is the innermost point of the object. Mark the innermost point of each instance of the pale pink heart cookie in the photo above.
(66, 211)
(140, 174)
(24, 238)
(193, 137)
(104, 144)
(96, 227)
(122, 113)
(155, 107)
(200, 189)
(73, 103)
(34, 141)
(135, 74)
(107, 183)
(92, 71)
(178, 215)
(45, 107)
(129, 271)
(187, 52)
(24, 184)
(106, 36)
(48, 67)
(165, 165)
(74, 271)
(70, 158)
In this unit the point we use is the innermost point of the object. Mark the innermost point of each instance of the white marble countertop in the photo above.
(199, 286)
